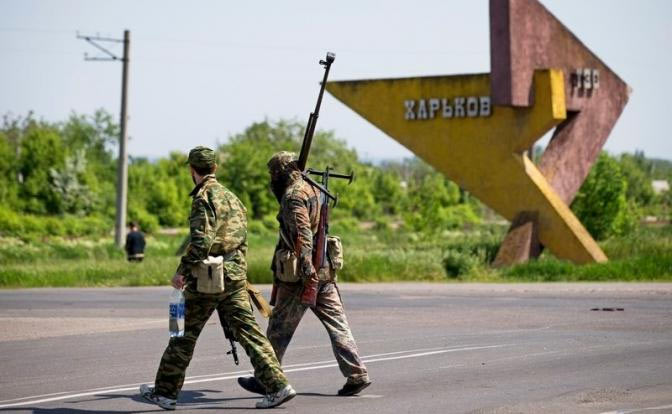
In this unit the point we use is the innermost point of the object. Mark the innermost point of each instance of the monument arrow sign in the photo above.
(476, 128)
(450, 122)
(524, 37)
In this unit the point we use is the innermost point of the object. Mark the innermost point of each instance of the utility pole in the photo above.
(122, 168)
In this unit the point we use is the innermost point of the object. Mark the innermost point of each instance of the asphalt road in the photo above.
(430, 348)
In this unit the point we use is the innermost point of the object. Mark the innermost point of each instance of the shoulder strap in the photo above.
(285, 239)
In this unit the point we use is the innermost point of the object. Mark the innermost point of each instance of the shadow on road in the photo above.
(62, 410)
(189, 399)
(317, 394)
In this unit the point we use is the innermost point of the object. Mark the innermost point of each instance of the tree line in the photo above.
(58, 178)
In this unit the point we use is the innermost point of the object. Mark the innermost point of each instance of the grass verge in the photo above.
(377, 255)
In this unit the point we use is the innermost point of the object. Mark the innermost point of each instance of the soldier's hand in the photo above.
(178, 281)
(308, 269)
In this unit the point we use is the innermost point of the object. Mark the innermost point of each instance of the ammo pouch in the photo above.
(335, 252)
(210, 275)
(286, 266)
(286, 263)
(334, 258)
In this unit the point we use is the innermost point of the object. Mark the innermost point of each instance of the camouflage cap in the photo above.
(280, 160)
(202, 157)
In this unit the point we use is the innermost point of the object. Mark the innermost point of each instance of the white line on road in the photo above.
(231, 375)
(364, 358)
(638, 410)
(218, 374)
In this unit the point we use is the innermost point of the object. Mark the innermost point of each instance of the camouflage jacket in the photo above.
(218, 227)
(299, 217)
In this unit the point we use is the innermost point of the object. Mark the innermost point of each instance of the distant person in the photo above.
(218, 228)
(135, 244)
(299, 216)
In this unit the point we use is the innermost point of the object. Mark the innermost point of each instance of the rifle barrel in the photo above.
(307, 141)
(312, 120)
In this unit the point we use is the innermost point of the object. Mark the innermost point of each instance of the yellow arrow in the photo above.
(448, 121)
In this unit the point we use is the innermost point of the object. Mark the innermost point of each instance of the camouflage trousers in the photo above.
(288, 312)
(234, 304)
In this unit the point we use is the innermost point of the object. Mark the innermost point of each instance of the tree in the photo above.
(636, 171)
(159, 189)
(41, 149)
(434, 204)
(74, 195)
(8, 172)
(601, 203)
(243, 162)
(387, 191)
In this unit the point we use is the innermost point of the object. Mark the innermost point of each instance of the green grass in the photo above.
(88, 273)
(650, 267)
(376, 255)
(644, 255)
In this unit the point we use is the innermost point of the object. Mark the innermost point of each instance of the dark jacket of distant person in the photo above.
(135, 245)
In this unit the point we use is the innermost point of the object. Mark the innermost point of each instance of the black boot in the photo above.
(252, 385)
(352, 387)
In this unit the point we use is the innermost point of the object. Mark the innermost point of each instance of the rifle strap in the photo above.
(259, 301)
(286, 240)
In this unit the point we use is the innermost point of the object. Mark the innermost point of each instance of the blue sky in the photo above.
(204, 70)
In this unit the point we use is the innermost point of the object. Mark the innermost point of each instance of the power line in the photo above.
(267, 46)
(218, 44)
(45, 51)
(35, 30)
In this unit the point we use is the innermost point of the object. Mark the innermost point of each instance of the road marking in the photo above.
(194, 377)
(637, 410)
(231, 375)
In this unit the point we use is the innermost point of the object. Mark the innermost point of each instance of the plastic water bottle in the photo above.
(176, 314)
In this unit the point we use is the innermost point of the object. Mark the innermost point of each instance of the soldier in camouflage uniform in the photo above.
(299, 217)
(218, 226)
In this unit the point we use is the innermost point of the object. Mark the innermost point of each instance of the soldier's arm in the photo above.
(202, 235)
(297, 218)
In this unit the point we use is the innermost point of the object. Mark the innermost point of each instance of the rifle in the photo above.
(309, 295)
(308, 138)
(229, 335)
(312, 119)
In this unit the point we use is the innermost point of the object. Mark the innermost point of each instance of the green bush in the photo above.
(465, 254)
(86, 226)
(148, 223)
(457, 263)
(10, 223)
(34, 225)
(30, 226)
(483, 246)
(601, 203)
(55, 227)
